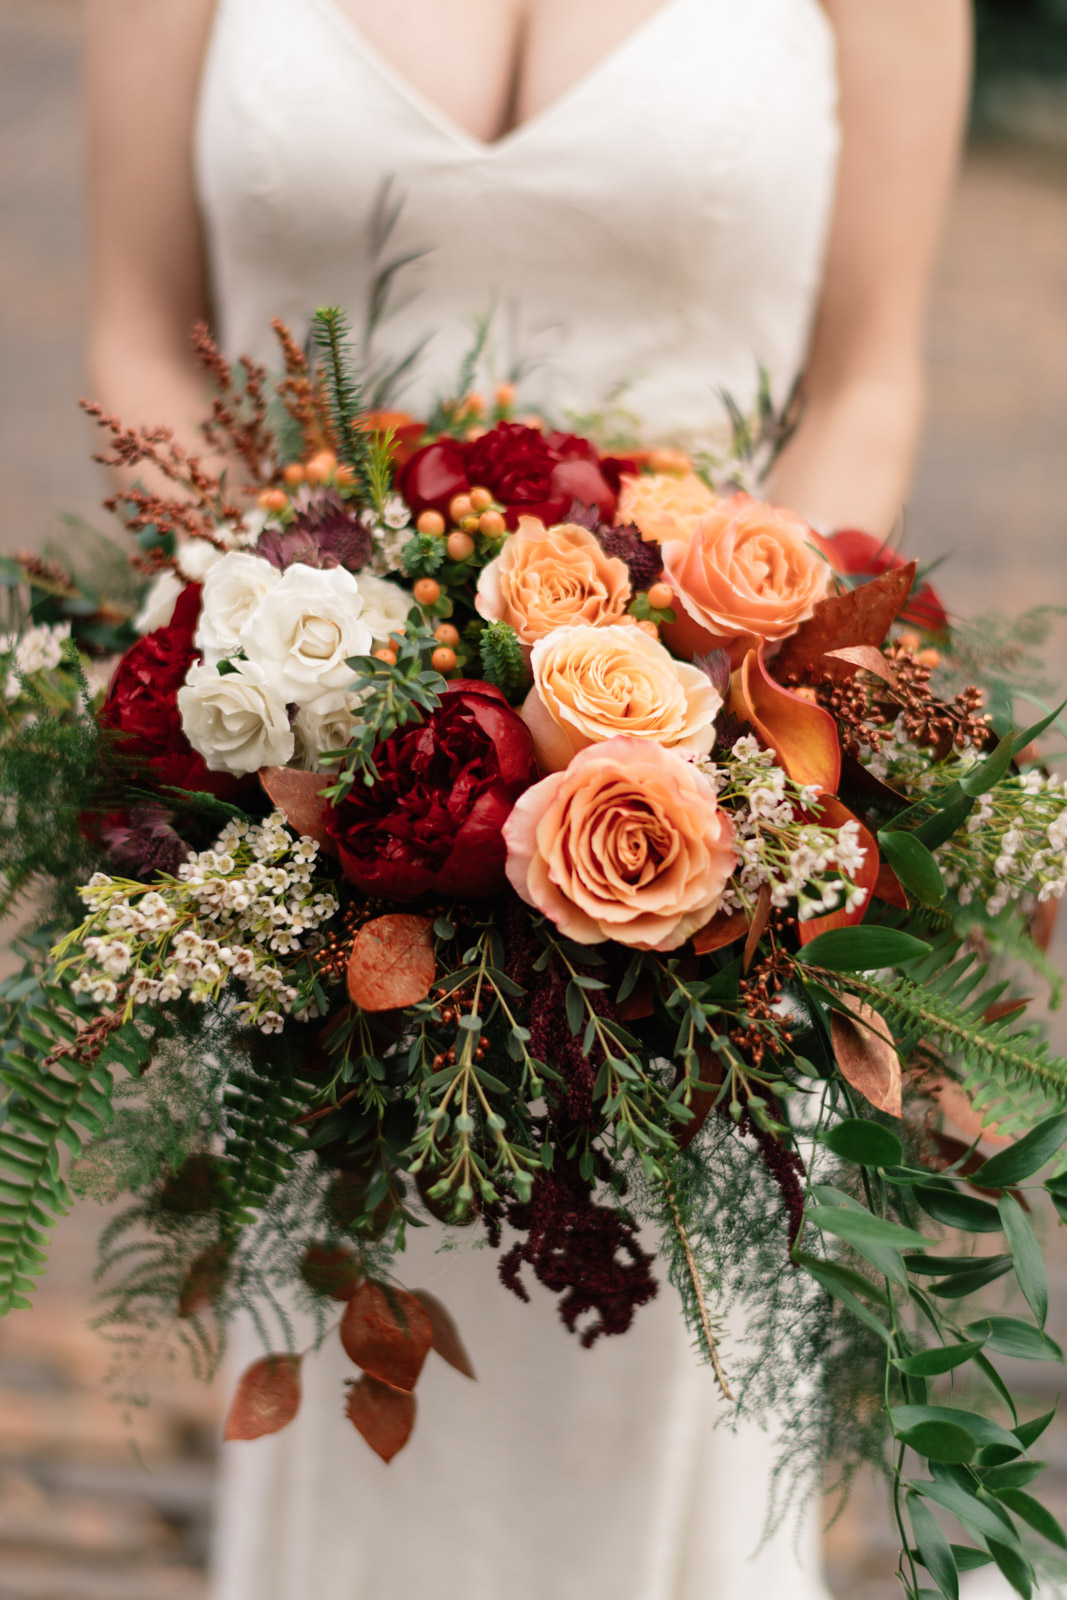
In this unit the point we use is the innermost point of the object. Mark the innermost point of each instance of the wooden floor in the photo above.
(80, 1518)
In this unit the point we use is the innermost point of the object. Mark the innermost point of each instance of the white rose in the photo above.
(157, 608)
(234, 719)
(326, 724)
(385, 606)
(196, 557)
(304, 630)
(233, 590)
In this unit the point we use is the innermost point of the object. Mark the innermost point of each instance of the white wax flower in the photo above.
(157, 607)
(303, 631)
(233, 590)
(385, 606)
(234, 719)
(326, 724)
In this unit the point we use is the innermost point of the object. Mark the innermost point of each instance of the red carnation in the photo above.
(142, 704)
(529, 473)
(432, 823)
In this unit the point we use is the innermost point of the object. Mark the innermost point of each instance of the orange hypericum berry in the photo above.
(505, 396)
(431, 522)
(294, 474)
(386, 655)
(474, 405)
(459, 507)
(804, 692)
(481, 499)
(321, 467)
(344, 477)
(443, 659)
(447, 634)
(459, 546)
(648, 627)
(909, 640)
(929, 657)
(660, 596)
(492, 524)
(669, 461)
(272, 500)
(471, 524)
(427, 591)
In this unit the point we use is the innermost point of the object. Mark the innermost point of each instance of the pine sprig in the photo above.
(354, 443)
(503, 663)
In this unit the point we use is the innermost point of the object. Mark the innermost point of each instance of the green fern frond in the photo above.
(502, 659)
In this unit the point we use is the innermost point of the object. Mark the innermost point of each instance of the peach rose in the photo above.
(629, 843)
(545, 578)
(747, 572)
(662, 505)
(592, 684)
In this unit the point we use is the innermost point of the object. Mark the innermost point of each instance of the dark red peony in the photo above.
(432, 824)
(142, 704)
(530, 473)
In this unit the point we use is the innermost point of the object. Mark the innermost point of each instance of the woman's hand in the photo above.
(143, 63)
(905, 69)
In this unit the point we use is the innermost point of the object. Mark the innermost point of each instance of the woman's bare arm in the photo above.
(143, 63)
(904, 68)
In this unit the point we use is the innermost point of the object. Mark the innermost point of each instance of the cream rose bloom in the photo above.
(157, 607)
(385, 606)
(664, 505)
(592, 684)
(196, 557)
(233, 590)
(234, 719)
(304, 630)
(545, 578)
(326, 724)
(629, 843)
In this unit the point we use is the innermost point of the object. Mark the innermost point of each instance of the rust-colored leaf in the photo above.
(702, 1101)
(383, 1415)
(388, 1333)
(331, 1270)
(802, 735)
(867, 1056)
(392, 962)
(640, 1002)
(723, 929)
(760, 918)
(1006, 1008)
(863, 616)
(204, 1281)
(867, 657)
(888, 887)
(953, 1152)
(446, 1339)
(299, 795)
(268, 1397)
(1043, 922)
(956, 1104)
(833, 814)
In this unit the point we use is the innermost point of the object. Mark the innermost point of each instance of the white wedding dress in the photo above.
(660, 226)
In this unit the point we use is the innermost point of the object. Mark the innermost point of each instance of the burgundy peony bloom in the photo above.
(432, 824)
(530, 473)
(142, 704)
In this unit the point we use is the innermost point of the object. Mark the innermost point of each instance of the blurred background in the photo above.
(96, 1506)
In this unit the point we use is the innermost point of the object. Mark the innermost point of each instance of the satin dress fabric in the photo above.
(651, 239)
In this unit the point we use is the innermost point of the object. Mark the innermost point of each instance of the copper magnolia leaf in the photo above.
(392, 962)
(640, 1002)
(204, 1281)
(383, 1415)
(268, 1397)
(954, 1153)
(702, 1101)
(760, 918)
(867, 657)
(802, 735)
(723, 929)
(1043, 922)
(956, 1104)
(867, 1056)
(388, 1333)
(888, 887)
(863, 616)
(833, 814)
(331, 1270)
(299, 795)
(446, 1339)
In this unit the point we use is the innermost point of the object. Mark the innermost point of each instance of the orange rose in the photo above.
(545, 578)
(747, 572)
(628, 844)
(593, 684)
(663, 506)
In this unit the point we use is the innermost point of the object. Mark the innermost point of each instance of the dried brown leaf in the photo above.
(723, 929)
(760, 918)
(300, 796)
(267, 1397)
(392, 962)
(388, 1333)
(867, 1056)
(867, 657)
(702, 1101)
(446, 1339)
(863, 616)
(331, 1270)
(383, 1415)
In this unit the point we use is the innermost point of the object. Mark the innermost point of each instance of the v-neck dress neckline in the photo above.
(635, 41)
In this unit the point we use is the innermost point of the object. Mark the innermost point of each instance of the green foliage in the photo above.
(355, 445)
(423, 556)
(393, 694)
(503, 662)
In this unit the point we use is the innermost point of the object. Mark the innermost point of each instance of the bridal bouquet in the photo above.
(451, 821)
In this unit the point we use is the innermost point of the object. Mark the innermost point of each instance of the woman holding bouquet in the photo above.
(663, 194)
